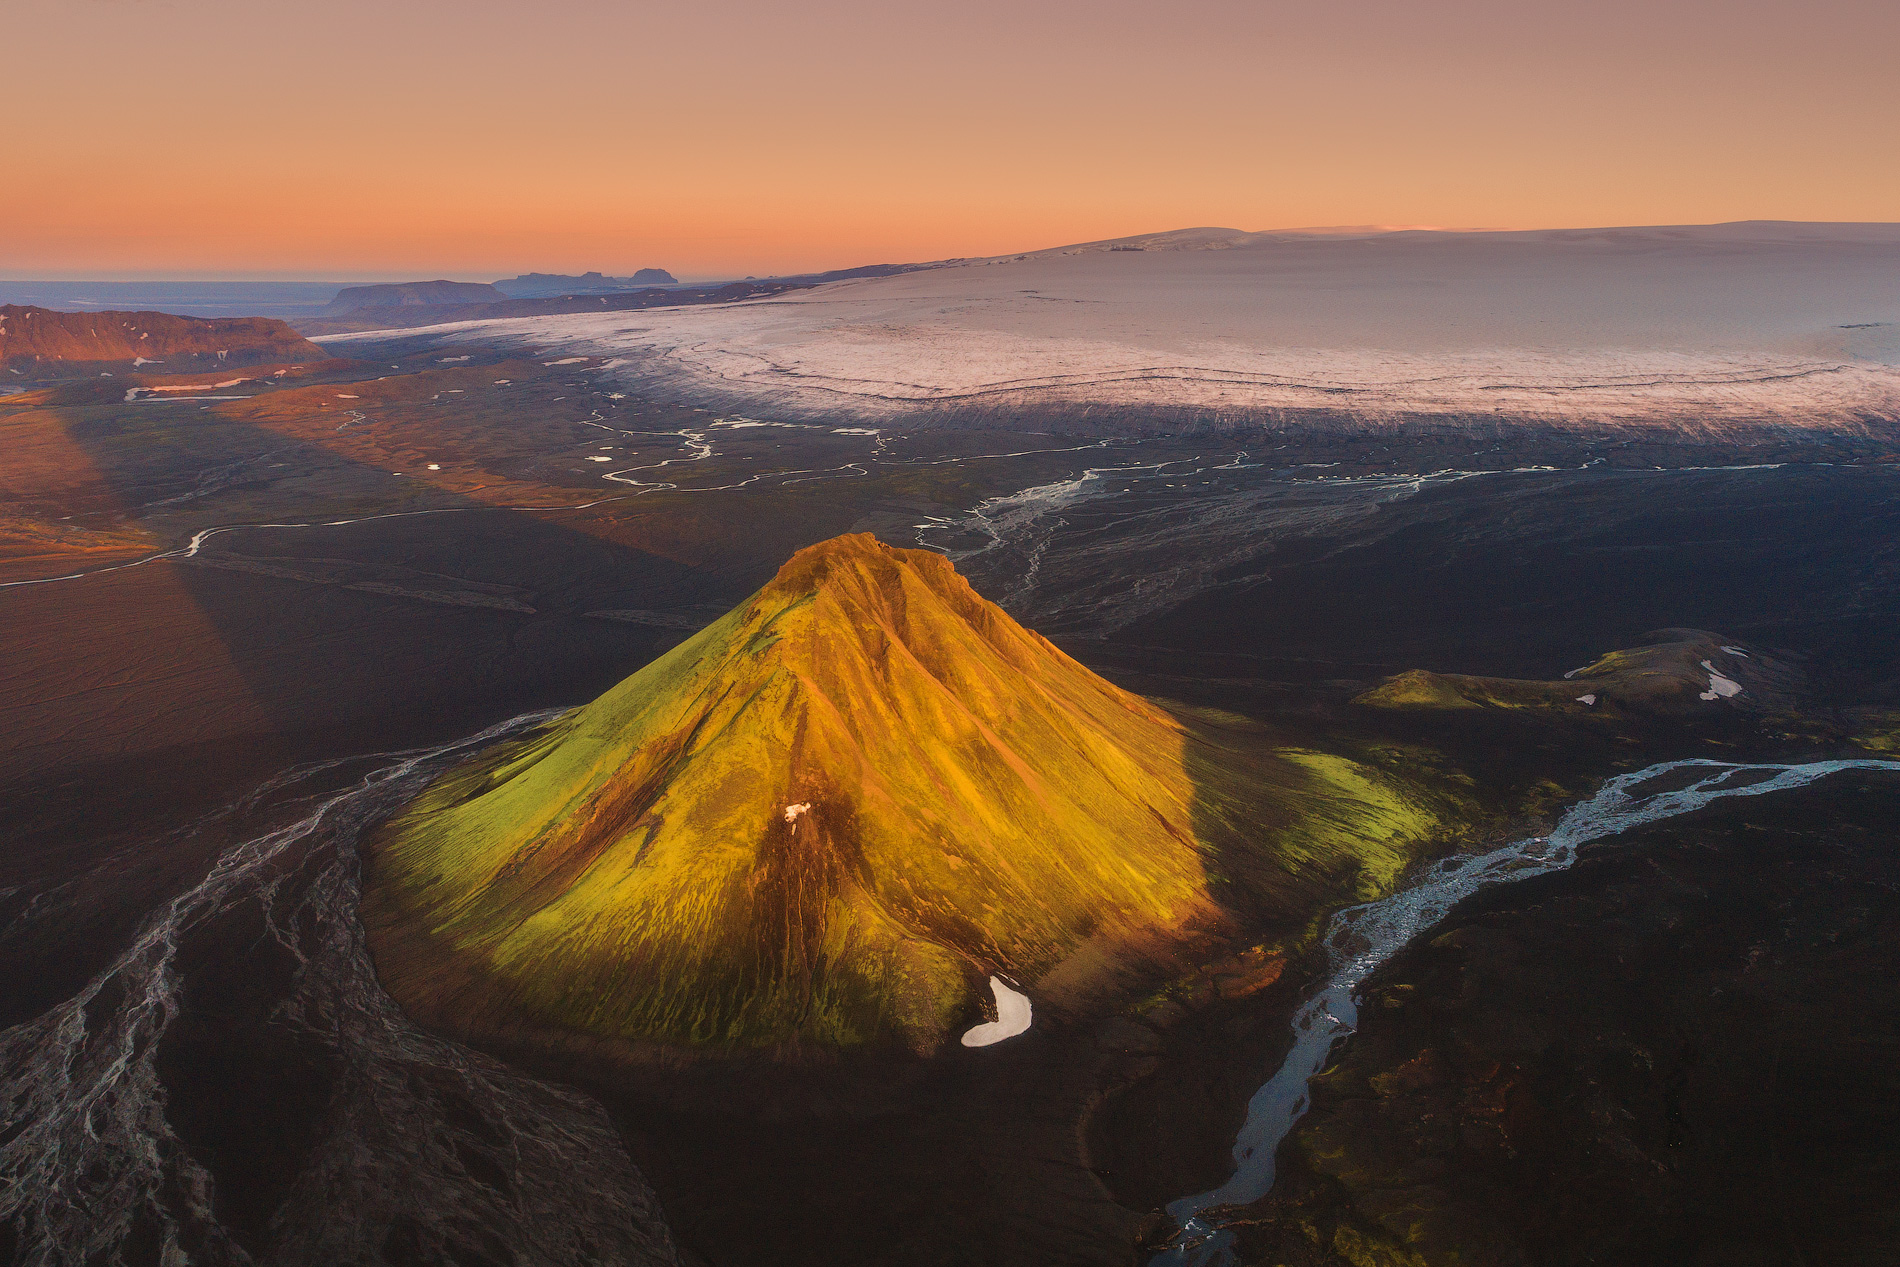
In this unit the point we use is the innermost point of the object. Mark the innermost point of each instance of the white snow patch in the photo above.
(1720, 687)
(567, 360)
(1736, 651)
(794, 812)
(434, 466)
(1012, 1017)
(597, 458)
(1587, 699)
(449, 360)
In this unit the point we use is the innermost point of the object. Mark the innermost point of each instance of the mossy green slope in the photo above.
(1666, 675)
(978, 801)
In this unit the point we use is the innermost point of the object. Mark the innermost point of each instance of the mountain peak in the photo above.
(863, 572)
(811, 565)
(827, 818)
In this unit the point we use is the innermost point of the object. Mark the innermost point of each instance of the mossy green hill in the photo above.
(1671, 673)
(828, 816)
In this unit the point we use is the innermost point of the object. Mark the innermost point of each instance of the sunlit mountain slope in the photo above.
(828, 816)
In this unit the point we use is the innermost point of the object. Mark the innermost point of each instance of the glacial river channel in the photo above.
(1361, 938)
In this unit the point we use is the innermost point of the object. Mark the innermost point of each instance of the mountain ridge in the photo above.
(547, 285)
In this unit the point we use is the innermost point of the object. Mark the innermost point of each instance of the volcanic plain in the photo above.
(229, 595)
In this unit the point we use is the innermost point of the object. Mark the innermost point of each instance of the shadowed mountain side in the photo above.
(828, 817)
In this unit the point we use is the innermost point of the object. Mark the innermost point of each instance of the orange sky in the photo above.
(479, 139)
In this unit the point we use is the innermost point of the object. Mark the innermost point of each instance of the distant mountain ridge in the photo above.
(1209, 238)
(39, 342)
(542, 285)
(411, 294)
(398, 316)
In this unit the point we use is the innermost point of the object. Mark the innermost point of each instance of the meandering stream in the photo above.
(1362, 938)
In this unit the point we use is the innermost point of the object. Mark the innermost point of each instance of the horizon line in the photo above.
(293, 277)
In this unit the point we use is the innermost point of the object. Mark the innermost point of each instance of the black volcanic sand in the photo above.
(972, 1157)
(1060, 1147)
(137, 700)
(1678, 1052)
(1524, 574)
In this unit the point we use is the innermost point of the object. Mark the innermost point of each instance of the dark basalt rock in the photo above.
(1678, 1053)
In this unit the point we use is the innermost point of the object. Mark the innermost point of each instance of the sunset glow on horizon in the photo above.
(204, 137)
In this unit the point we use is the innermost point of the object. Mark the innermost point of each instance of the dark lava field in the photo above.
(243, 626)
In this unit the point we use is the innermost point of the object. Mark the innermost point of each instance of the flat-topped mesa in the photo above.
(42, 343)
(827, 818)
(411, 294)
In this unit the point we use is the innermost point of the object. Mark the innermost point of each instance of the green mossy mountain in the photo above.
(826, 818)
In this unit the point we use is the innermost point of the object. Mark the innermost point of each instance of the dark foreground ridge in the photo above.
(1676, 1053)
